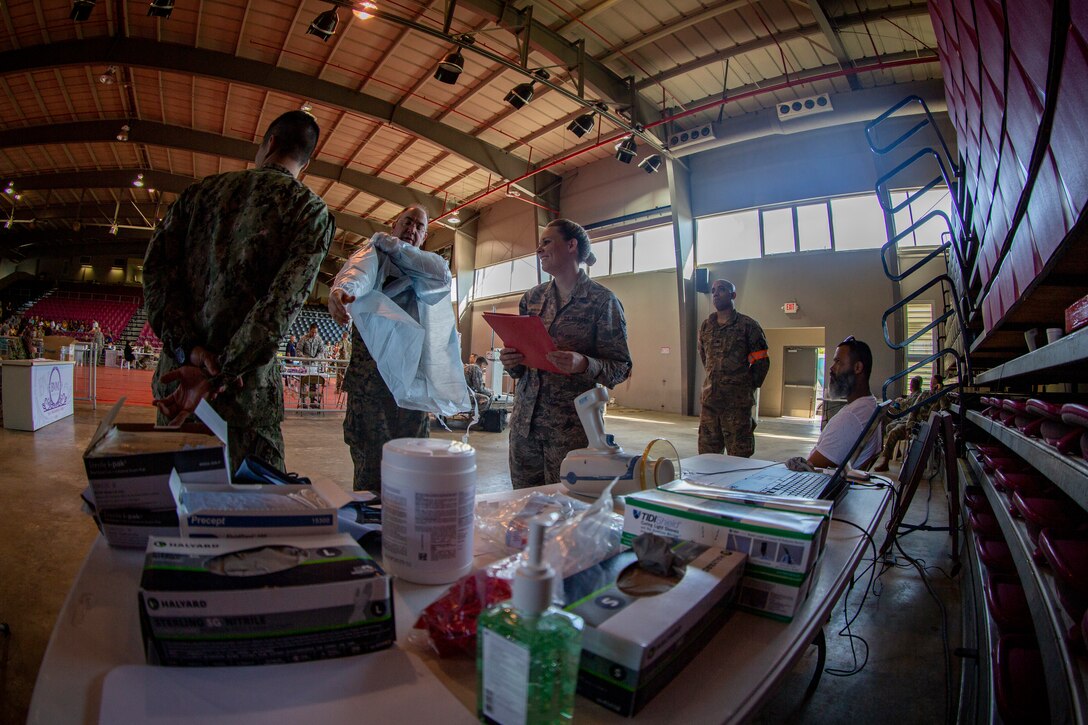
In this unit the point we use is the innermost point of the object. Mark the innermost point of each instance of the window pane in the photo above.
(600, 269)
(813, 227)
(902, 220)
(929, 234)
(920, 314)
(523, 274)
(778, 231)
(858, 222)
(654, 249)
(493, 280)
(727, 237)
(623, 255)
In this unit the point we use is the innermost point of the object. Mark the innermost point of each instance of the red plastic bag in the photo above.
(451, 619)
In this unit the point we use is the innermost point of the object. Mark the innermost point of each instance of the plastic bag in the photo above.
(505, 524)
(420, 362)
(570, 546)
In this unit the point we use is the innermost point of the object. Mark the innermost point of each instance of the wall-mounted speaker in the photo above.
(702, 279)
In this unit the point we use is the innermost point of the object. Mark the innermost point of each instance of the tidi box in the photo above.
(782, 546)
(129, 466)
(634, 643)
(257, 510)
(207, 602)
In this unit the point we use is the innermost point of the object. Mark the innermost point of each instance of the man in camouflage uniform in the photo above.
(900, 428)
(474, 378)
(409, 276)
(225, 275)
(733, 350)
(544, 424)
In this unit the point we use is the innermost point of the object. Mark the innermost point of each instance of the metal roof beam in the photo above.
(612, 89)
(148, 53)
(834, 42)
(783, 37)
(160, 180)
(178, 137)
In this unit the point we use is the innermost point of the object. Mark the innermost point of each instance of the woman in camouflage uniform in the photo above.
(587, 323)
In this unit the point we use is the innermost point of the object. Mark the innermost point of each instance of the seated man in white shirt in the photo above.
(848, 378)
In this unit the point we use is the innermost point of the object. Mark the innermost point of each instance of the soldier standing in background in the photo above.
(225, 275)
(733, 349)
(408, 276)
(586, 321)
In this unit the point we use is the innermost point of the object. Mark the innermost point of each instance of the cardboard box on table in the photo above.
(129, 467)
(633, 645)
(209, 602)
(37, 393)
(783, 546)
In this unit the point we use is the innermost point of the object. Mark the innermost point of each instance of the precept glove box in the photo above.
(129, 466)
(210, 602)
(634, 643)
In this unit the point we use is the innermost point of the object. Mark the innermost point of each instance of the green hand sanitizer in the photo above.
(528, 651)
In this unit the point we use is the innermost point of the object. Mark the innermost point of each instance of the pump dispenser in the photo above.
(528, 651)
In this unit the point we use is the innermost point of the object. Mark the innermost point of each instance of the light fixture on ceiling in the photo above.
(113, 229)
(10, 188)
(522, 93)
(627, 149)
(122, 135)
(450, 68)
(17, 197)
(109, 76)
(324, 25)
(453, 218)
(138, 182)
(364, 10)
(307, 107)
(650, 164)
(581, 125)
(160, 8)
(81, 10)
(8, 222)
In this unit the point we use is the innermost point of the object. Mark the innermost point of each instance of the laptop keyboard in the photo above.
(802, 484)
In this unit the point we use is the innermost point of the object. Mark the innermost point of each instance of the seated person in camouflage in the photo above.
(898, 428)
(226, 272)
(474, 378)
(410, 277)
(590, 332)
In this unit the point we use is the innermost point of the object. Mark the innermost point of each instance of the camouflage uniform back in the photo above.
(735, 358)
(544, 426)
(228, 269)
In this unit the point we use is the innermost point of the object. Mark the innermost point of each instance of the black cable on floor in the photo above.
(846, 630)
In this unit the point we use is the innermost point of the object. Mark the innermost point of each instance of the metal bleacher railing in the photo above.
(958, 243)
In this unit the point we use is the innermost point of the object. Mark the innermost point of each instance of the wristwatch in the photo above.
(181, 355)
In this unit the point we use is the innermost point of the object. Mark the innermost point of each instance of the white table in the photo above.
(37, 392)
(98, 630)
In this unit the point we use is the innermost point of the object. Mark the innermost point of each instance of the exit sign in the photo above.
(790, 308)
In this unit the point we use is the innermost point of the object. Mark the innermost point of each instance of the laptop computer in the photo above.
(779, 481)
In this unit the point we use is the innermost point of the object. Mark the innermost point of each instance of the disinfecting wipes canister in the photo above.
(428, 504)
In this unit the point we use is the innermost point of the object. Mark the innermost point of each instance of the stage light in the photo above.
(650, 164)
(519, 95)
(160, 8)
(109, 76)
(81, 10)
(454, 219)
(324, 25)
(364, 10)
(138, 182)
(626, 150)
(450, 68)
(122, 135)
(581, 125)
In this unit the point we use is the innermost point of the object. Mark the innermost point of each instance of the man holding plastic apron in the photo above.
(408, 276)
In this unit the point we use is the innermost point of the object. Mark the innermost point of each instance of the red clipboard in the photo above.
(527, 335)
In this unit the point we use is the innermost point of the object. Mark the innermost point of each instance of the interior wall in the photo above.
(844, 292)
(506, 229)
(100, 270)
(608, 189)
(778, 338)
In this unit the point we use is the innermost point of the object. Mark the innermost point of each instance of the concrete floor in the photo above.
(45, 537)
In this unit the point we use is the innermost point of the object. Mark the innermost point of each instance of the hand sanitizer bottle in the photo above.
(528, 651)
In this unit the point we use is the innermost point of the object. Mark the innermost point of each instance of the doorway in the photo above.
(801, 376)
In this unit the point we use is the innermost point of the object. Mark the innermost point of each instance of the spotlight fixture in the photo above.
(8, 223)
(81, 10)
(307, 107)
(364, 10)
(109, 77)
(10, 188)
(138, 182)
(522, 93)
(626, 150)
(324, 25)
(123, 134)
(454, 219)
(450, 68)
(650, 164)
(581, 125)
(17, 197)
(160, 9)
(113, 229)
